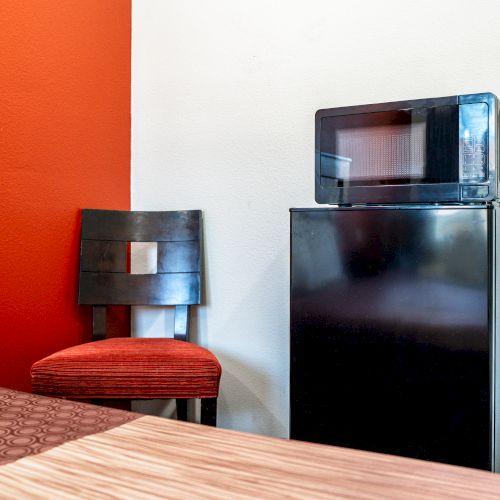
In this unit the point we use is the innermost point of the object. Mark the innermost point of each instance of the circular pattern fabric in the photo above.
(31, 424)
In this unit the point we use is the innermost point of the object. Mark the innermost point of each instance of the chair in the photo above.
(136, 368)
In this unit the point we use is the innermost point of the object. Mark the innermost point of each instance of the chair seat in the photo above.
(134, 368)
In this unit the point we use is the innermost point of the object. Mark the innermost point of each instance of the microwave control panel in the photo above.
(473, 142)
(475, 165)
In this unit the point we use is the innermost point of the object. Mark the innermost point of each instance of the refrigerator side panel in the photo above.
(390, 322)
(495, 343)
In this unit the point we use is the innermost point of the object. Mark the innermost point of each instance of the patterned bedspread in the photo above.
(51, 448)
(31, 424)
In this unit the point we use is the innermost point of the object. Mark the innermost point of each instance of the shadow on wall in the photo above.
(247, 412)
(252, 414)
(254, 385)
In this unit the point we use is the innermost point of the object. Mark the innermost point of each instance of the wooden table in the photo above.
(149, 457)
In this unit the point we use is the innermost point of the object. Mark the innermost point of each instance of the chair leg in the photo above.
(209, 411)
(182, 411)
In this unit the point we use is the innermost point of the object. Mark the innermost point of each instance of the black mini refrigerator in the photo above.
(393, 330)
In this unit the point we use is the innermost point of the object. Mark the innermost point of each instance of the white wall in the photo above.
(223, 101)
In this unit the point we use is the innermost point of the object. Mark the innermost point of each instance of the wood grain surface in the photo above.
(158, 458)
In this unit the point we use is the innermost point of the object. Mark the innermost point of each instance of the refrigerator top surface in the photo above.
(393, 207)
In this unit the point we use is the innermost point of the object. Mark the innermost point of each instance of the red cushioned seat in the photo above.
(135, 368)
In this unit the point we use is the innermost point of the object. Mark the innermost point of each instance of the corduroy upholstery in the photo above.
(129, 368)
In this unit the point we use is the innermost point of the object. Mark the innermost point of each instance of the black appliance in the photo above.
(438, 150)
(393, 304)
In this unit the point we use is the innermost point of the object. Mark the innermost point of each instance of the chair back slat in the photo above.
(168, 289)
(104, 279)
(116, 225)
(103, 256)
(178, 257)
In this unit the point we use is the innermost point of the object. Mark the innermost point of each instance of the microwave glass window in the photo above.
(390, 151)
(392, 147)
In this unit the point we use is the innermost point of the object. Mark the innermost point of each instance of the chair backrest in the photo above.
(104, 277)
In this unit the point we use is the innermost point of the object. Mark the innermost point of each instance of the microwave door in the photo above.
(391, 156)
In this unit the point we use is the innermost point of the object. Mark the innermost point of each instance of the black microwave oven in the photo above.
(439, 150)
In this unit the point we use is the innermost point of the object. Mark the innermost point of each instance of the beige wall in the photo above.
(223, 101)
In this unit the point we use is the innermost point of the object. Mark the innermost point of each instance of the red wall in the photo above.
(64, 145)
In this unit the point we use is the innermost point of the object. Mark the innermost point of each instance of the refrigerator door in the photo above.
(390, 345)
